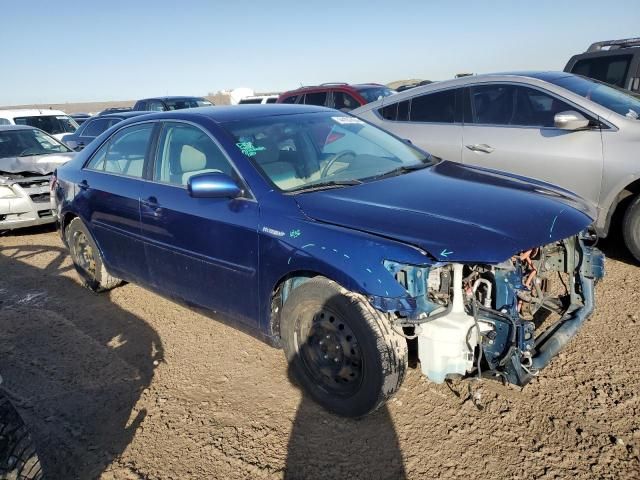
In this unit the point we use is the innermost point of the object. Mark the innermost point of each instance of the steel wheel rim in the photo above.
(83, 254)
(331, 354)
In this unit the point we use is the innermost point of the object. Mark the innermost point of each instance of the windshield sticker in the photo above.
(249, 149)
(273, 231)
(348, 120)
(295, 233)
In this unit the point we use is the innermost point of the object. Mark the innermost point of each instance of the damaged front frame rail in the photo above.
(508, 346)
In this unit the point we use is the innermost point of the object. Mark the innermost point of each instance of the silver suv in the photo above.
(562, 128)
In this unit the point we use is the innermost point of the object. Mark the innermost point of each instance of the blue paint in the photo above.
(212, 252)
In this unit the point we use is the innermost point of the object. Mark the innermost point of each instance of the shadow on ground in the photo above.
(74, 363)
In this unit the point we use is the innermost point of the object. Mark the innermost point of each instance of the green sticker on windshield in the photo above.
(249, 149)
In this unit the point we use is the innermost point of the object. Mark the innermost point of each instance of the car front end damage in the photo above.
(496, 320)
(24, 200)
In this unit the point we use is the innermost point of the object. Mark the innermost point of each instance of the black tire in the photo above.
(631, 227)
(363, 362)
(18, 457)
(87, 258)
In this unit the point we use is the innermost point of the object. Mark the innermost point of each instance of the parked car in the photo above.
(552, 126)
(94, 127)
(258, 99)
(55, 122)
(164, 104)
(110, 110)
(340, 96)
(28, 156)
(616, 62)
(334, 239)
(80, 118)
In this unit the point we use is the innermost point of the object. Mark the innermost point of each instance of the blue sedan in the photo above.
(335, 240)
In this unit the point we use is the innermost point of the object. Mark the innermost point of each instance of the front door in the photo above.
(511, 128)
(202, 250)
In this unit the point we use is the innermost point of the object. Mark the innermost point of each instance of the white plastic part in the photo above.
(442, 343)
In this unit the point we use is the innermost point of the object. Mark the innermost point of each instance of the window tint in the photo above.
(272, 100)
(96, 127)
(318, 98)
(514, 105)
(344, 101)
(155, 106)
(396, 111)
(184, 151)
(438, 107)
(124, 152)
(52, 124)
(290, 99)
(610, 69)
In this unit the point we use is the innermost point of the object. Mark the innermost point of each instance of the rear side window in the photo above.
(185, 151)
(52, 124)
(124, 152)
(290, 99)
(96, 127)
(317, 98)
(343, 101)
(611, 69)
(437, 107)
(272, 100)
(4, 121)
(398, 111)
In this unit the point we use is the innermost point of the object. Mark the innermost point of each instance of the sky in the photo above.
(89, 50)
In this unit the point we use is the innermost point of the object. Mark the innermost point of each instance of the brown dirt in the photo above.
(128, 385)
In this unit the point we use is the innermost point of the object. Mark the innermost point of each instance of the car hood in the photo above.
(42, 164)
(455, 212)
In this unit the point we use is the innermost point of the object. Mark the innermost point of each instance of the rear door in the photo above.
(111, 183)
(202, 250)
(431, 121)
(510, 127)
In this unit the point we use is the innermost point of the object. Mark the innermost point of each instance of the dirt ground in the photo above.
(128, 385)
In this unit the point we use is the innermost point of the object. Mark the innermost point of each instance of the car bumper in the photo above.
(30, 204)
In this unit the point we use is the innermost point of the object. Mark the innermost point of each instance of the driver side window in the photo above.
(184, 151)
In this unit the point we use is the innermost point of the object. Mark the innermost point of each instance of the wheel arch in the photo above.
(619, 203)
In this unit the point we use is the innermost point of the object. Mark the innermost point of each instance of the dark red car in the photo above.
(340, 96)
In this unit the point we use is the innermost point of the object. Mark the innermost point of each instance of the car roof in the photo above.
(126, 114)
(232, 113)
(174, 97)
(29, 112)
(16, 127)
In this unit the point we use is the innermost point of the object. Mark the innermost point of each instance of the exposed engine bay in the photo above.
(484, 319)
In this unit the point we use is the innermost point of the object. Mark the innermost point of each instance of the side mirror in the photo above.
(570, 120)
(213, 185)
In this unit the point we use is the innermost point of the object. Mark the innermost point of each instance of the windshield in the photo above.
(609, 97)
(181, 103)
(309, 151)
(52, 124)
(371, 94)
(22, 143)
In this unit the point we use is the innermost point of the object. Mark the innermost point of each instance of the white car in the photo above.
(258, 99)
(28, 156)
(55, 122)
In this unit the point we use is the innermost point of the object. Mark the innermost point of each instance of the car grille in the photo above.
(36, 187)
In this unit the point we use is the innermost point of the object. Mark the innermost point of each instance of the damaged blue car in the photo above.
(335, 240)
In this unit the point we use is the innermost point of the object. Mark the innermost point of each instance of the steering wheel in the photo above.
(334, 159)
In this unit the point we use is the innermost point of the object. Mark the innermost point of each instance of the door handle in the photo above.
(152, 204)
(480, 147)
(83, 185)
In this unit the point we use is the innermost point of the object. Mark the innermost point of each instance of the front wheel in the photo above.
(87, 259)
(341, 350)
(631, 227)
(18, 457)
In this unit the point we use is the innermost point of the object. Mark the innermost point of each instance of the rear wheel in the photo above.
(341, 350)
(87, 259)
(631, 227)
